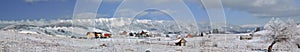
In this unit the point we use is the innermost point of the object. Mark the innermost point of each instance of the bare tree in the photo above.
(279, 31)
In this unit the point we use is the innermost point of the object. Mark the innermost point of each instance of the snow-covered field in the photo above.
(55, 36)
(18, 42)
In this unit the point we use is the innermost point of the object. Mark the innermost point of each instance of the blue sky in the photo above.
(237, 11)
(20, 9)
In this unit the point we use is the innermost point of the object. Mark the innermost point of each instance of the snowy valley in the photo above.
(64, 36)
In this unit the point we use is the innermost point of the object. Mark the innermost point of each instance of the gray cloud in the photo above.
(265, 8)
(258, 8)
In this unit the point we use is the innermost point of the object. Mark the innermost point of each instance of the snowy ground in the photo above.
(16, 42)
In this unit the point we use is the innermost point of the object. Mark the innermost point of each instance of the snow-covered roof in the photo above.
(26, 32)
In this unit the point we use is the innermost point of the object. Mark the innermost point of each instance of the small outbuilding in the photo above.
(245, 37)
(180, 42)
(189, 36)
(124, 33)
(93, 34)
(106, 35)
(98, 35)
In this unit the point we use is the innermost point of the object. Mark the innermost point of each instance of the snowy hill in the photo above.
(79, 27)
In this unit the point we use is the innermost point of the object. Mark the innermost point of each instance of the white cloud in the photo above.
(96, 0)
(112, 0)
(103, 15)
(158, 1)
(130, 12)
(86, 15)
(31, 1)
(125, 12)
(155, 12)
(261, 3)
(168, 11)
(176, 8)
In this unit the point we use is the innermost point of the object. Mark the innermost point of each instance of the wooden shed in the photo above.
(245, 37)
